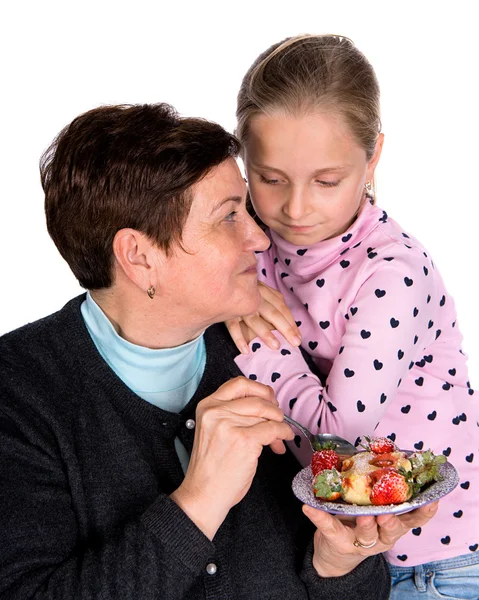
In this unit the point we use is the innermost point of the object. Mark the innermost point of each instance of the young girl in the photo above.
(370, 304)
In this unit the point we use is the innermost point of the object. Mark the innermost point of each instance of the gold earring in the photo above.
(151, 292)
(369, 189)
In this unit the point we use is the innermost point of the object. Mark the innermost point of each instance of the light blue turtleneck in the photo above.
(165, 377)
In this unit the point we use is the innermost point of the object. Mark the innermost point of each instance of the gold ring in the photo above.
(359, 544)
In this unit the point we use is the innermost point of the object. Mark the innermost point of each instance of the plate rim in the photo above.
(374, 510)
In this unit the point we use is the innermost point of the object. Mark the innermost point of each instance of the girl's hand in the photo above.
(334, 551)
(271, 314)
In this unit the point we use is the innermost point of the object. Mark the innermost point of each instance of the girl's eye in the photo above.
(231, 216)
(329, 183)
(269, 181)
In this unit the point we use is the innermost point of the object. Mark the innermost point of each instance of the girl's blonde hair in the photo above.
(309, 72)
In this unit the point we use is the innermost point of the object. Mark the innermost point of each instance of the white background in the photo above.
(59, 59)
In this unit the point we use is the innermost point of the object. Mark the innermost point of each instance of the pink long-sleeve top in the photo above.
(381, 328)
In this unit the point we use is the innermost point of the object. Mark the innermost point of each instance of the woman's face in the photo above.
(306, 174)
(214, 277)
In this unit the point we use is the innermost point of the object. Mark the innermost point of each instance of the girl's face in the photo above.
(306, 174)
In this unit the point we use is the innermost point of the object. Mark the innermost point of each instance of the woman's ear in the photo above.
(136, 257)
(372, 164)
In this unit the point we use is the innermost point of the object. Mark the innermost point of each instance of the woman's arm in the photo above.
(41, 555)
(46, 551)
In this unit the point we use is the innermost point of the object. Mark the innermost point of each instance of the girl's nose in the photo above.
(296, 205)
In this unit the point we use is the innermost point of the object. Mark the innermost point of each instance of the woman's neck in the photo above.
(138, 321)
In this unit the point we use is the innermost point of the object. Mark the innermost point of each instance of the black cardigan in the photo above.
(86, 469)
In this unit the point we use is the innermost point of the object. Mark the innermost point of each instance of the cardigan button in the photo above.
(211, 568)
(190, 424)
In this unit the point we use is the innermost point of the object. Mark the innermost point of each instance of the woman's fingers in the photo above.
(245, 403)
(334, 550)
(420, 516)
(271, 433)
(242, 387)
(390, 530)
(366, 530)
(392, 527)
(339, 546)
(321, 520)
(252, 406)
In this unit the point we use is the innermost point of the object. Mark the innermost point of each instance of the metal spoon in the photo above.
(343, 447)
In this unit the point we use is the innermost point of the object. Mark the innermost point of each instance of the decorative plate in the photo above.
(303, 490)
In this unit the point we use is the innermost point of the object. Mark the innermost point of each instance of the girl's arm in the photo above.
(388, 324)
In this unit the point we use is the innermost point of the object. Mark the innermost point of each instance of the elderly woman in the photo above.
(134, 462)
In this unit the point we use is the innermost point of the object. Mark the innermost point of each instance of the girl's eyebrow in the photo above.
(331, 169)
(267, 168)
(314, 174)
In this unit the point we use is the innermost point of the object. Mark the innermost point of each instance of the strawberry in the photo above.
(325, 458)
(391, 487)
(327, 485)
(380, 445)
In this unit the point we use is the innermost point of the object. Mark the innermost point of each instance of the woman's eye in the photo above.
(231, 216)
(328, 183)
(269, 181)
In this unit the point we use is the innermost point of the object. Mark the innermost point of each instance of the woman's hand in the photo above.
(334, 551)
(232, 427)
(271, 314)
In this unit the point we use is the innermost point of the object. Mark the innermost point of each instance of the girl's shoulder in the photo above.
(390, 236)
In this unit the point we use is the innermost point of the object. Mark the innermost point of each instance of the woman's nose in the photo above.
(256, 239)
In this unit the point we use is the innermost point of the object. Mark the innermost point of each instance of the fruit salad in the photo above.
(381, 474)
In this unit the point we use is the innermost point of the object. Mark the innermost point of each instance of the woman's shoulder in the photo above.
(25, 350)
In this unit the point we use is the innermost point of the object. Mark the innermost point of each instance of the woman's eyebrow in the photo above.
(235, 199)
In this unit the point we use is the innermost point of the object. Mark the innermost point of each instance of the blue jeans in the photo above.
(455, 579)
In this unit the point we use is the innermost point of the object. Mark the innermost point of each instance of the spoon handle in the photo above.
(307, 434)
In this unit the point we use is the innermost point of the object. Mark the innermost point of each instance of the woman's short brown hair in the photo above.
(125, 166)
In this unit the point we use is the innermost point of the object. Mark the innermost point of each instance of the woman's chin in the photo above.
(249, 304)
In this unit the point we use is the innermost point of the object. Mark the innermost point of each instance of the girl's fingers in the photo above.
(272, 314)
(271, 318)
(236, 333)
(262, 329)
(274, 309)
